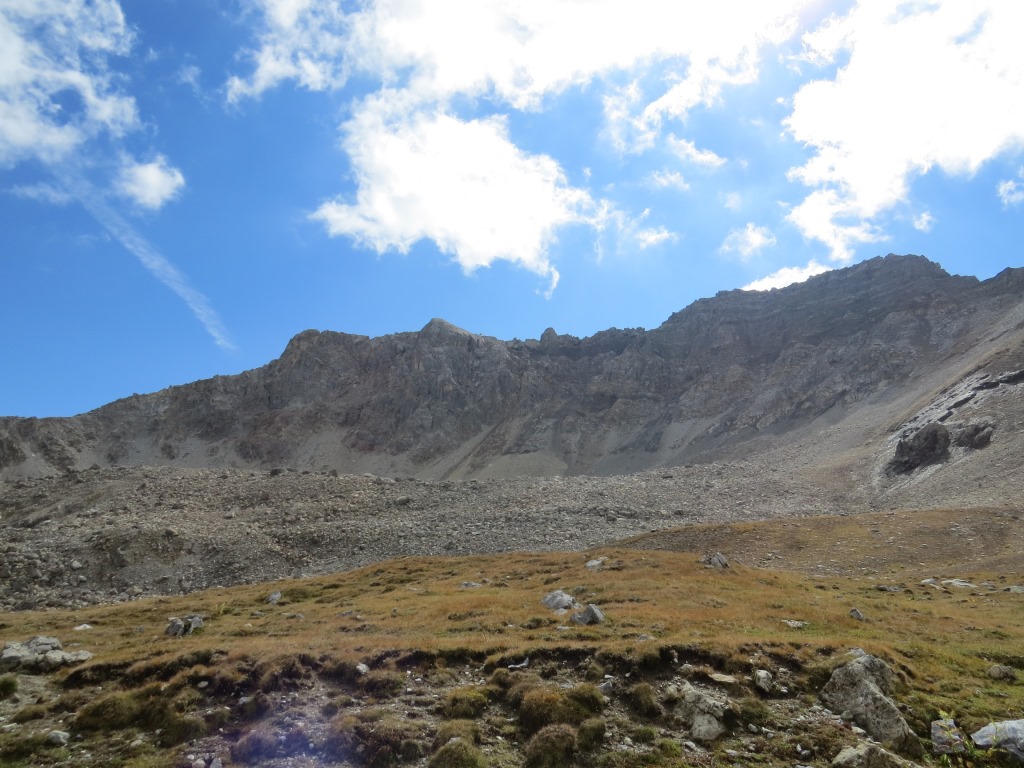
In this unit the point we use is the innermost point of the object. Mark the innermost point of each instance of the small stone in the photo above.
(362, 670)
(958, 583)
(856, 614)
(59, 738)
(559, 600)
(1002, 672)
(794, 623)
(175, 627)
(273, 598)
(717, 560)
(75, 566)
(947, 738)
(763, 680)
(592, 615)
(82, 627)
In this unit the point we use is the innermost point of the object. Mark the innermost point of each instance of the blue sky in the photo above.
(185, 185)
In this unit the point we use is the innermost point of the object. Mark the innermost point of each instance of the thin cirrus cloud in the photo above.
(922, 87)
(54, 47)
(490, 200)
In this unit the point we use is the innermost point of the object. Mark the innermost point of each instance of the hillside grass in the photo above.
(419, 614)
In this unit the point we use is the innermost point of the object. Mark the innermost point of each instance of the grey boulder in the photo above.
(858, 691)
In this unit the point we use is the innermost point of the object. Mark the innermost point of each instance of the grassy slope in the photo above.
(415, 614)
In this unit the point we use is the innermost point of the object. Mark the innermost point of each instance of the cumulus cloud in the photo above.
(1011, 191)
(462, 184)
(303, 40)
(518, 52)
(49, 49)
(486, 199)
(786, 276)
(934, 86)
(923, 222)
(747, 242)
(150, 185)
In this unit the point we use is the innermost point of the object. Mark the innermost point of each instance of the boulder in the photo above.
(180, 627)
(1002, 672)
(858, 691)
(928, 445)
(716, 560)
(559, 601)
(40, 654)
(869, 756)
(591, 615)
(58, 738)
(947, 738)
(703, 713)
(1007, 734)
(972, 435)
(764, 681)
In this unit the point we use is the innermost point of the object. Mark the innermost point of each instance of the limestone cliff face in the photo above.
(725, 371)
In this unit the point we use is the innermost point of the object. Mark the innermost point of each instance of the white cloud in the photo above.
(304, 41)
(688, 152)
(190, 75)
(733, 201)
(647, 238)
(61, 105)
(668, 180)
(936, 85)
(747, 242)
(150, 184)
(1011, 191)
(51, 48)
(462, 184)
(43, 193)
(924, 222)
(151, 259)
(429, 55)
(786, 276)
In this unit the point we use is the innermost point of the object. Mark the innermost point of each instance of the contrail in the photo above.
(92, 200)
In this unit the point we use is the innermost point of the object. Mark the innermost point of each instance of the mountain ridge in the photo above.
(716, 377)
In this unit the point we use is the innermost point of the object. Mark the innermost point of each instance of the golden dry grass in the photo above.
(659, 605)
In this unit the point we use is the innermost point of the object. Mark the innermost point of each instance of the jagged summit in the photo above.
(740, 372)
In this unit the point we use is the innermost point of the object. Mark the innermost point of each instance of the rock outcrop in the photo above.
(40, 654)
